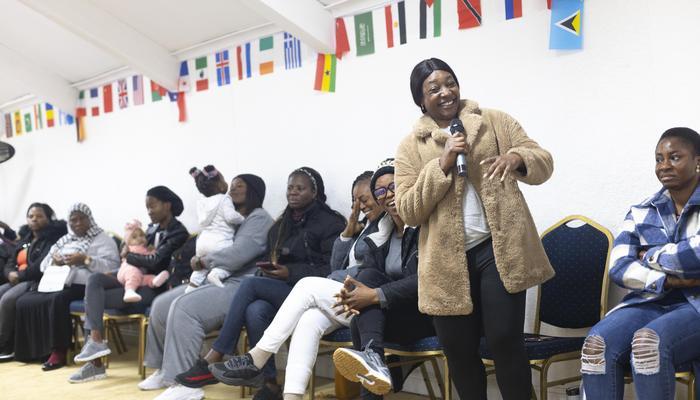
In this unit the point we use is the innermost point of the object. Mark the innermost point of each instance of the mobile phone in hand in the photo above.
(266, 265)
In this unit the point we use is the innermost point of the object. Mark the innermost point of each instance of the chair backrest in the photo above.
(577, 295)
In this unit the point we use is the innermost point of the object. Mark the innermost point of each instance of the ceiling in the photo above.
(50, 49)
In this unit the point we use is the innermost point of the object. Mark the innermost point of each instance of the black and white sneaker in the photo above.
(5, 357)
(196, 377)
(366, 367)
(238, 371)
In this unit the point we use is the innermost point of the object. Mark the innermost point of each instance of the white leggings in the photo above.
(307, 314)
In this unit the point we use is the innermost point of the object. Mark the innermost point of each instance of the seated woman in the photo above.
(43, 322)
(307, 314)
(23, 269)
(385, 298)
(179, 321)
(657, 325)
(300, 245)
(102, 291)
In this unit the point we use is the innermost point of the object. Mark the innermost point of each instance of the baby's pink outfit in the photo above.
(132, 277)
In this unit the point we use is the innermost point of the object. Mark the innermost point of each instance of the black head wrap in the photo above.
(164, 194)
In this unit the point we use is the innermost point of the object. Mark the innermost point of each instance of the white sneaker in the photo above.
(130, 296)
(179, 392)
(153, 382)
(215, 276)
(190, 288)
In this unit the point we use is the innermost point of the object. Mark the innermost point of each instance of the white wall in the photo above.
(599, 111)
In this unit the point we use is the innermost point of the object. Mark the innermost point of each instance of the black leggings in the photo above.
(500, 316)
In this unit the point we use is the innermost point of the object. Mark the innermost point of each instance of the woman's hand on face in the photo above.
(502, 165)
(354, 226)
(454, 146)
(13, 277)
(354, 300)
(279, 272)
(58, 259)
(75, 259)
(674, 282)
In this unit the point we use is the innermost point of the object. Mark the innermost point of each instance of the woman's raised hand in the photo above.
(454, 146)
(354, 226)
(75, 259)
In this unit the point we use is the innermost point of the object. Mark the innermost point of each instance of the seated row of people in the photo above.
(479, 253)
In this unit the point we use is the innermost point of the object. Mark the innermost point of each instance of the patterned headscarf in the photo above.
(81, 243)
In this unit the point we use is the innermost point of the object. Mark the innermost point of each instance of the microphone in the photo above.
(456, 126)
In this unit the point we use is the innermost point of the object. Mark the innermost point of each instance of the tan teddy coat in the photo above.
(426, 197)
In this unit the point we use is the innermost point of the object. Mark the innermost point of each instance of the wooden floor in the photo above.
(19, 381)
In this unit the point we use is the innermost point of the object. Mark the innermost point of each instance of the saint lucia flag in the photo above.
(566, 29)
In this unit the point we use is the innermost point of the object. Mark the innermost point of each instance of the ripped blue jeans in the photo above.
(652, 337)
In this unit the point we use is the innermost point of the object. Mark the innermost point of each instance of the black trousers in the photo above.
(402, 324)
(500, 316)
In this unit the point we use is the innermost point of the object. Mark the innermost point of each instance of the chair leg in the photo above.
(142, 347)
(447, 383)
(106, 327)
(426, 379)
(533, 393)
(691, 386)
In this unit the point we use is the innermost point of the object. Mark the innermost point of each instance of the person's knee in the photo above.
(259, 312)
(593, 355)
(93, 280)
(645, 352)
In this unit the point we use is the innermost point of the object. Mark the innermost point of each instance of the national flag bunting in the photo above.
(364, 34)
(122, 94)
(94, 102)
(107, 97)
(325, 73)
(183, 81)
(38, 120)
(200, 64)
(514, 9)
(157, 92)
(18, 123)
(137, 88)
(243, 61)
(469, 13)
(50, 121)
(8, 125)
(549, 4)
(80, 111)
(430, 25)
(223, 74)
(267, 65)
(566, 25)
(342, 45)
(179, 97)
(395, 21)
(292, 52)
(27, 122)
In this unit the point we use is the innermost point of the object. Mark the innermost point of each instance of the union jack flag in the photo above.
(123, 94)
(223, 75)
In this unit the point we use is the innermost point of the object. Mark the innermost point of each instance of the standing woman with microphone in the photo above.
(479, 246)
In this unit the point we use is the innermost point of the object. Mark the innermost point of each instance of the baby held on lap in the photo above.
(130, 276)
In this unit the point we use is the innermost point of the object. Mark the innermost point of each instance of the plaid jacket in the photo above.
(672, 248)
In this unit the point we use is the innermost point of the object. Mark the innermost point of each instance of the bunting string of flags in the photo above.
(404, 21)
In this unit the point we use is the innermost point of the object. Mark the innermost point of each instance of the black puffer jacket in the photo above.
(306, 251)
(36, 252)
(404, 290)
(170, 239)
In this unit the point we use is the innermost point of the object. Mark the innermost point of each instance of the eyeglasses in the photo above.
(381, 192)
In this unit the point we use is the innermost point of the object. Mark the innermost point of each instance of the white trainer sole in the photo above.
(354, 369)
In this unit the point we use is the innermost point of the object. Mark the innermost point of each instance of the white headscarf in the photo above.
(81, 243)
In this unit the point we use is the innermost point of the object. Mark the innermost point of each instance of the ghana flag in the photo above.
(325, 73)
